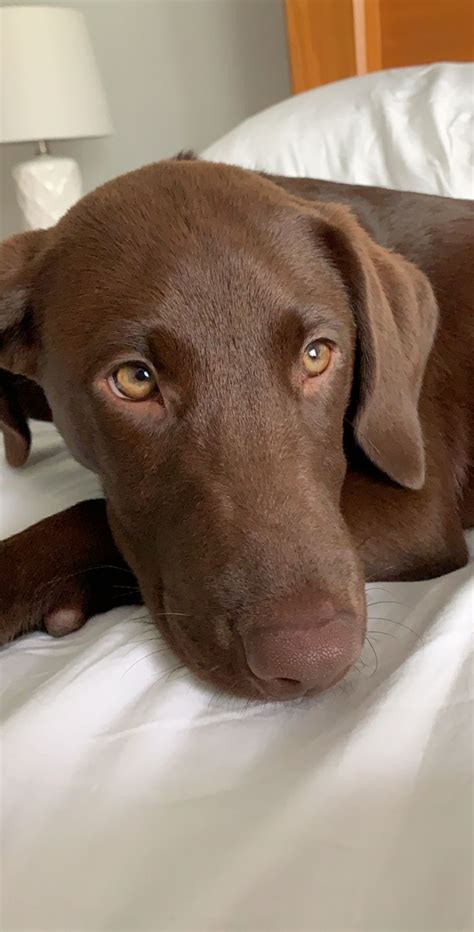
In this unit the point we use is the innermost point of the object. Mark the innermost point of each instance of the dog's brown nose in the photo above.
(306, 646)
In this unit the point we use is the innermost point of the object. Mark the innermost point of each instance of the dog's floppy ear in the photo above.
(19, 398)
(396, 316)
(19, 258)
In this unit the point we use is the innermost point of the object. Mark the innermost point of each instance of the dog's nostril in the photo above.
(283, 687)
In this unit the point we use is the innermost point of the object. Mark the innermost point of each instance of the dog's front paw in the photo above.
(33, 597)
(59, 572)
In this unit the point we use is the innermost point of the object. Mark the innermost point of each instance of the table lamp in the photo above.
(50, 89)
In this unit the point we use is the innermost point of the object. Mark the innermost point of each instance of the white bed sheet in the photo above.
(133, 798)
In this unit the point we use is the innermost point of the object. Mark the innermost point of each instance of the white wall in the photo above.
(178, 74)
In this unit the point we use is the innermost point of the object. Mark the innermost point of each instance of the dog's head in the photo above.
(203, 339)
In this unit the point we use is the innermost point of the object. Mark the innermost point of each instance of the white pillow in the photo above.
(409, 128)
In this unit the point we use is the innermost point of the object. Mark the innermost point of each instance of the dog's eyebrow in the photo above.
(316, 317)
(136, 340)
(115, 349)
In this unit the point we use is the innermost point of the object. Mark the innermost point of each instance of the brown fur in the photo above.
(252, 503)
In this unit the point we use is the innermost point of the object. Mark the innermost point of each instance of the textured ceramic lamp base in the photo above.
(46, 188)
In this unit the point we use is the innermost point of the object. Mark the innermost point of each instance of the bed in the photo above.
(134, 798)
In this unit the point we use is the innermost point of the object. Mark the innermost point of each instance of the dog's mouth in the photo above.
(216, 653)
(218, 662)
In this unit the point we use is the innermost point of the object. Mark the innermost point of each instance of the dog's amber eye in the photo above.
(316, 357)
(134, 381)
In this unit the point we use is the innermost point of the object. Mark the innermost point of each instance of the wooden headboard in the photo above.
(333, 39)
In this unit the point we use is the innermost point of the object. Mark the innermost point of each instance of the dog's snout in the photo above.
(302, 646)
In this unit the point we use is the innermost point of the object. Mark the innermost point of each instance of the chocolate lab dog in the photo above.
(273, 379)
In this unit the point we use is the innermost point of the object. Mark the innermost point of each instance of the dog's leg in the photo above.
(403, 535)
(58, 573)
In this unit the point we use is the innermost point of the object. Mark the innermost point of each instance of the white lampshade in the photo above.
(50, 83)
